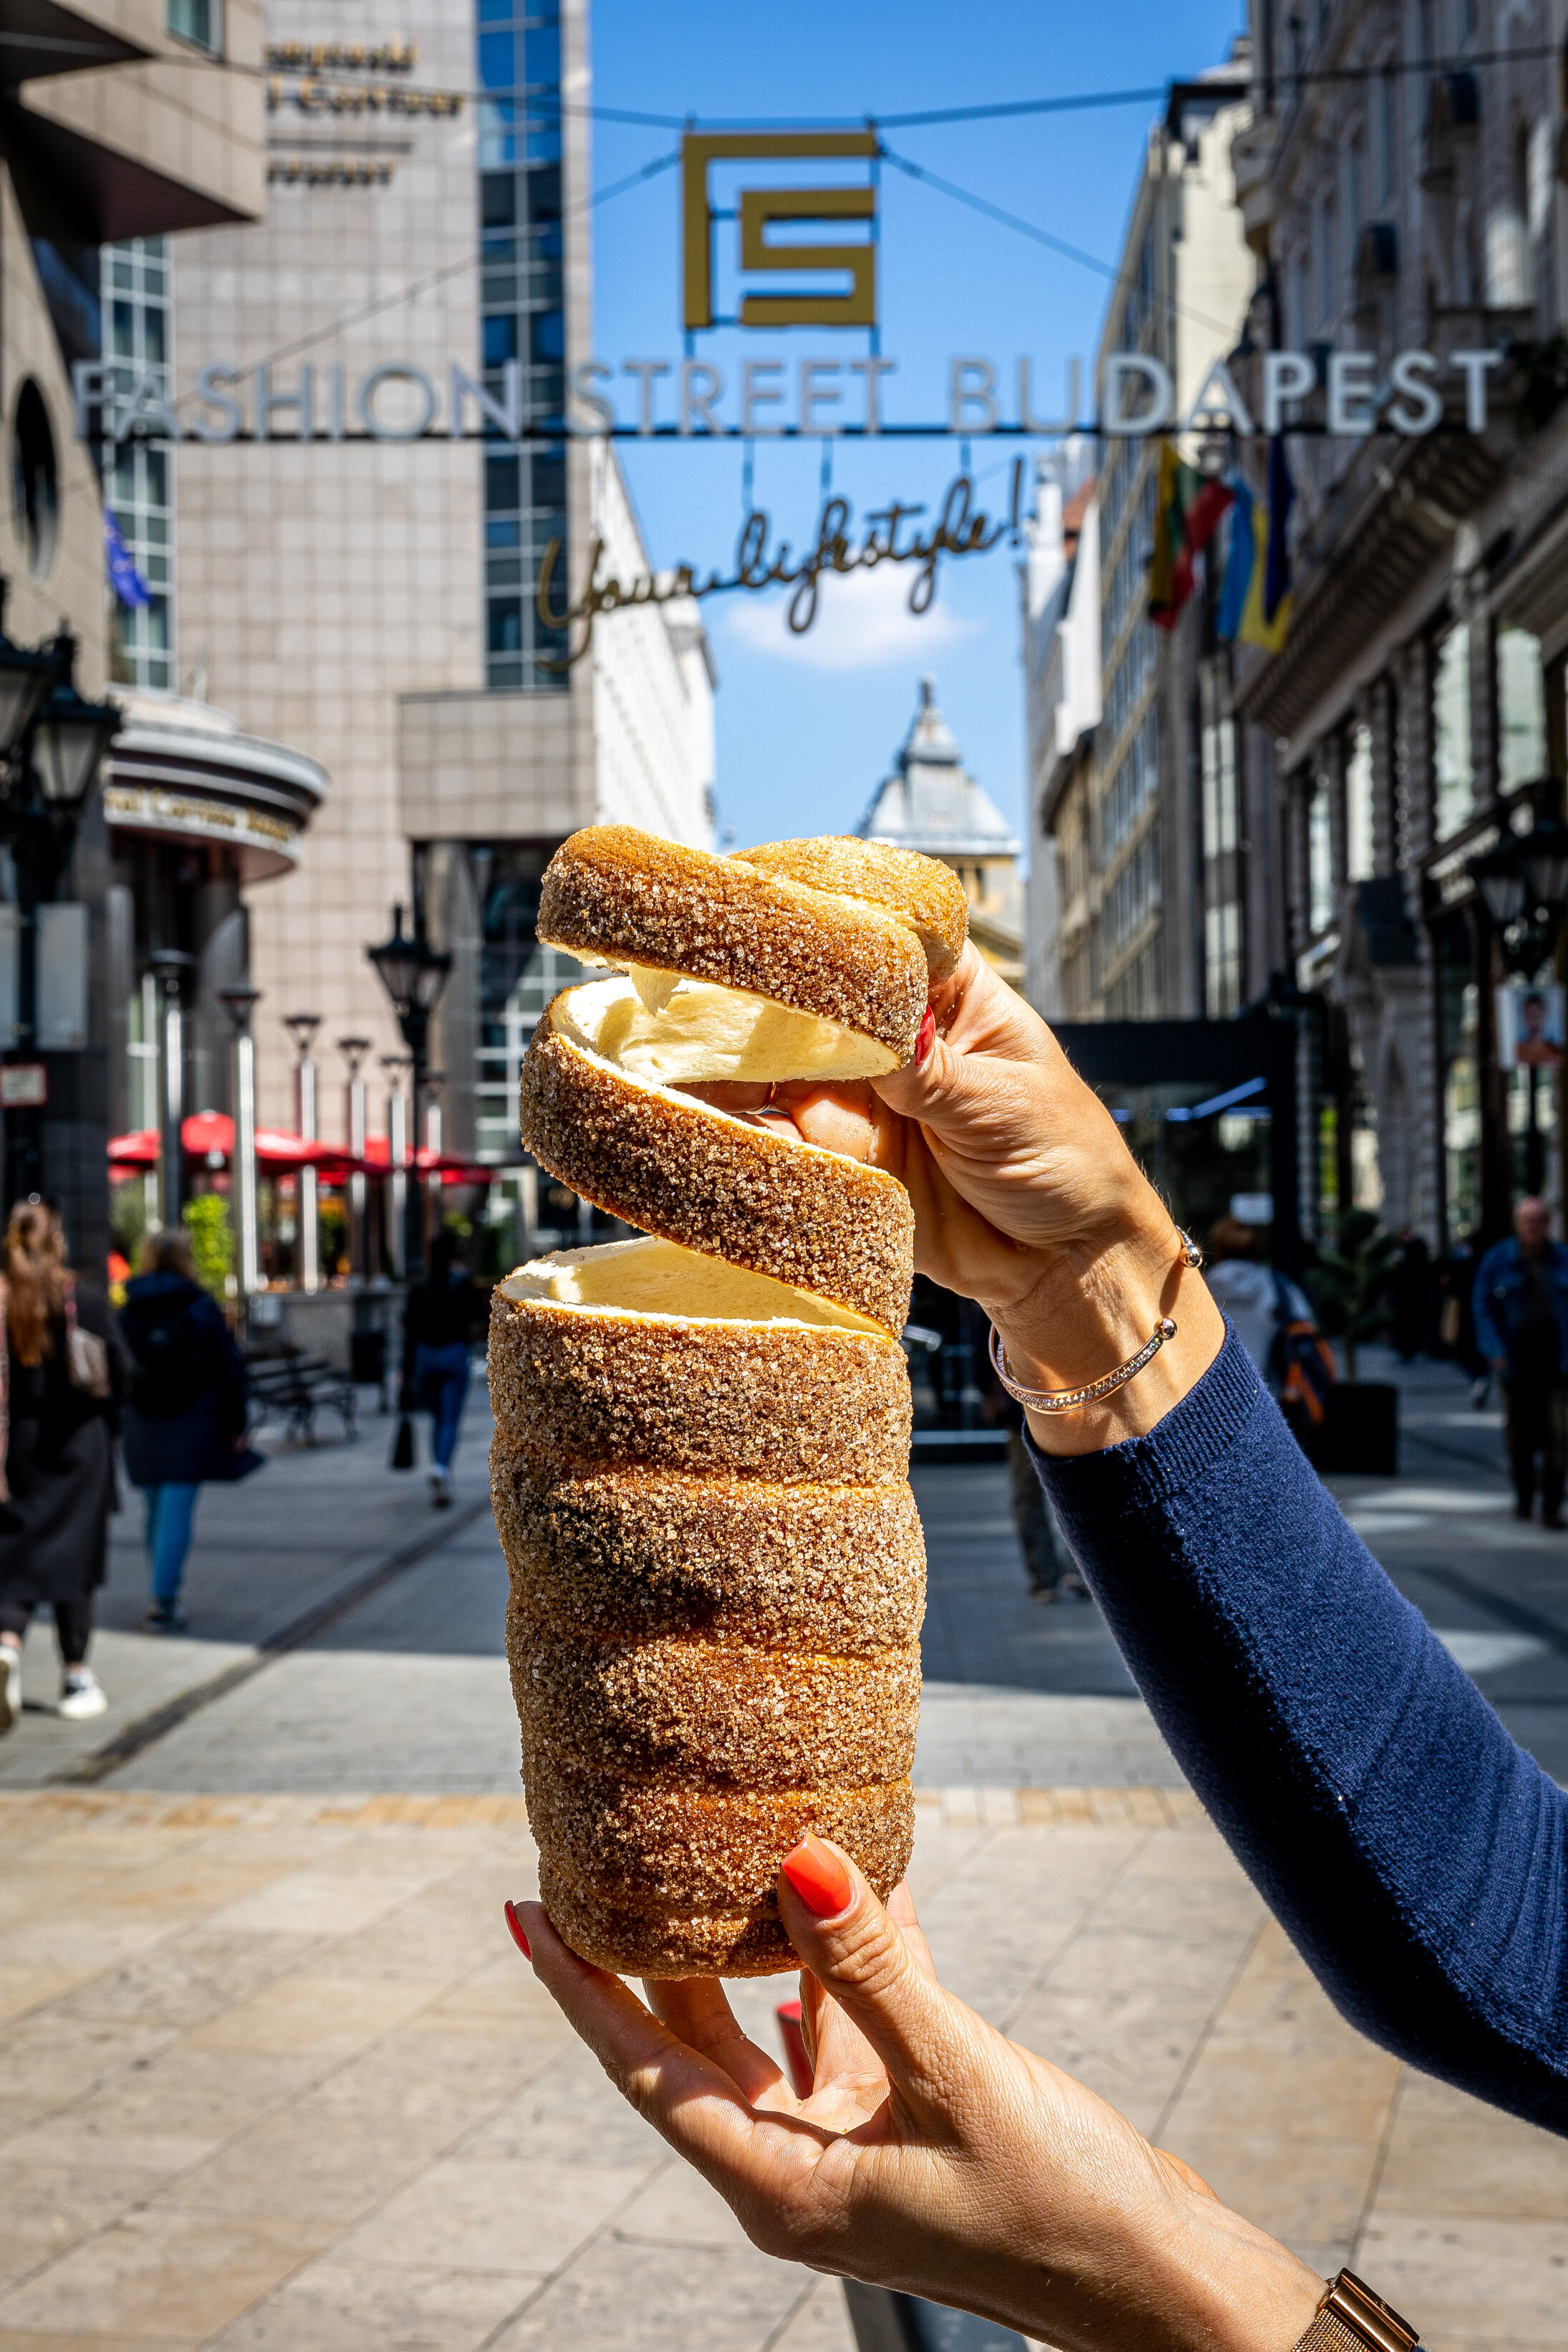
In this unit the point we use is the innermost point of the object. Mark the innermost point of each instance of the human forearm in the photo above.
(1414, 1853)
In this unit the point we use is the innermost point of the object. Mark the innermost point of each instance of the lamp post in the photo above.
(413, 975)
(169, 967)
(394, 1064)
(1523, 886)
(433, 1082)
(52, 742)
(353, 1050)
(302, 1028)
(241, 1003)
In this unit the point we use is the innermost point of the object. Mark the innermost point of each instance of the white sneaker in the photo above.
(10, 1685)
(81, 1696)
(441, 1489)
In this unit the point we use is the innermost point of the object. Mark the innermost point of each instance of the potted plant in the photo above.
(1349, 1290)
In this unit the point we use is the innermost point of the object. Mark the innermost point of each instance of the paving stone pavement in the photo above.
(273, 2080)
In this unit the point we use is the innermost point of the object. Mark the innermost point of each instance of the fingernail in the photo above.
(817, 1877)
(926, 1038)
(515, 1925)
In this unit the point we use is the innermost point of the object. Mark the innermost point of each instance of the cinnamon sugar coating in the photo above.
(925, 892)
(766, 1400)
(614, 892)
(714, 1714)
(665, 1882)
(678, 1168)
(599, 1554)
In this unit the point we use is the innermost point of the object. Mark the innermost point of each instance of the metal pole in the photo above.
(354, 1050)
(309, 1223)
(413, 1198)
(173, 1189)
(244, 1165)
(397, 1183)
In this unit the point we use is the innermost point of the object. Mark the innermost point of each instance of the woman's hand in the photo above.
(1027, 1200)
(933, 2154)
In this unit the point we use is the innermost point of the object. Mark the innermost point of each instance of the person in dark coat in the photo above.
(185, 1421)
(441, 1318)
(59, 1454)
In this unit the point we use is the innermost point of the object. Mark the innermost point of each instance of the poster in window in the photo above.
(1529, 1026)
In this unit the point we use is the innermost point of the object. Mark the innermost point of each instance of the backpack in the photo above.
(1302, 1362)
(170, 1352)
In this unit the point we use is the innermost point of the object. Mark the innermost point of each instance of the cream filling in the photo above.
(674, 1032)
(660, 1278)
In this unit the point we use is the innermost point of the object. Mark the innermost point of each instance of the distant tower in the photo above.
(929, 804)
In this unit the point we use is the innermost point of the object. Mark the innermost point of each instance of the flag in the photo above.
(1281, 497)
(123, 577)
(1243, 597)
(1188, 507)
(1240, 558)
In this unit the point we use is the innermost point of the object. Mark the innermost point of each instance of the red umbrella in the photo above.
(141, 1149)
(205, 1131)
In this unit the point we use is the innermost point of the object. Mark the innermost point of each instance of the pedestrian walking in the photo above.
(185, 1422)
(1259, 1301)
(1521, 1328)
(63, 1367)
(441, 1318)
(1410, 1293)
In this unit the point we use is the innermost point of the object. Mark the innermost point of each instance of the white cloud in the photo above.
(863, 621)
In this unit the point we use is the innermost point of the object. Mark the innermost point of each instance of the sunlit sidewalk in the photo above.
(274, 2080)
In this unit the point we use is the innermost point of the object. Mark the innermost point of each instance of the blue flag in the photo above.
(123, 577)
(1239, 557)
(1282, 496)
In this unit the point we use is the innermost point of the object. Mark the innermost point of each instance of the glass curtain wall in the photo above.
(523, 320)
(138, 478)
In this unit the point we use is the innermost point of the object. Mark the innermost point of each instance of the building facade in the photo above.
(1403, 186)
(931, 804)
(424, 275)
(1059, 583)
(1142, 915)
(156, 126)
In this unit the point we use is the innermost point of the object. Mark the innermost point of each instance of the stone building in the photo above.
(357, 575)
(1147, 918)
(1060, 585)
(1402, 185)
(131, 119)
(930, 803)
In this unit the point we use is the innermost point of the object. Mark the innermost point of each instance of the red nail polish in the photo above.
(817, 1877)
(515, 1925)
(926, 1038)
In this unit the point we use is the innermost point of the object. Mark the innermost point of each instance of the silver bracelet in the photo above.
(1071, 1399)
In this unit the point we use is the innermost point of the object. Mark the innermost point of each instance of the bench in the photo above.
(294, 1387)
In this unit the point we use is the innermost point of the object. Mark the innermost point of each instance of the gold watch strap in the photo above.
(1350, 2318)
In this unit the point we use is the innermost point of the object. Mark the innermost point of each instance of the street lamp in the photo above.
(240, 1003)
(413, 975)
(26, 673)
(169, 967)
(302, 1028)
(394, 1064)
(52, 742)
(353, 1050)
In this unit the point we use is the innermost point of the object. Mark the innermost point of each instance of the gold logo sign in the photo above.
(758, 208)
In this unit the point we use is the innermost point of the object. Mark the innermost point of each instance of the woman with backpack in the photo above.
(185, 1420)
(62, 1362)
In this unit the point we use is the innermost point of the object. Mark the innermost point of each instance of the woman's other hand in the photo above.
(1027, 1200)
(933, 2154)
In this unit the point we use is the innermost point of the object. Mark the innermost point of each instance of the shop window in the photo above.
(1453, 770)
(1221, 833)
(1360, 840)
(1319, 858)
(1520, 709)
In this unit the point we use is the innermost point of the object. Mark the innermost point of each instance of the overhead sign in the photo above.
(762, 209)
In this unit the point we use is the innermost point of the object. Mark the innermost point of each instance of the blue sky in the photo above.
(807, 726)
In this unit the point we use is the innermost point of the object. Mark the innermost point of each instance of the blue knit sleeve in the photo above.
(1415, 1855)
